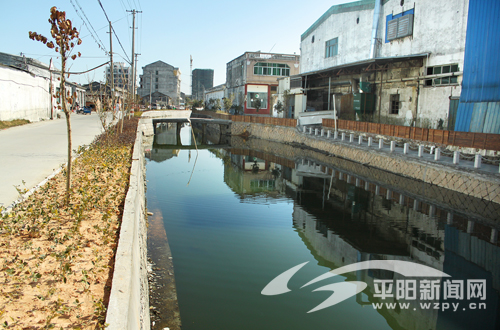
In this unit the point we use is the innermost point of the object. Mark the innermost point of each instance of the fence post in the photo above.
(437, 154)
(456, 157)
(304, 129)
(343, 136)
(316, 131)
(328, 133)
(405, 148)
(393, 146)
(370, 141)
(380, 143)
(336, 135)
(420, 150)
(322, 132)
(360, 139)
(310, 130)
(351, 137)
(477, 161)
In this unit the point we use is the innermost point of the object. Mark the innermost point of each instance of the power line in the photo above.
(107, 18)
(105, 14)
(99, 43)
(121, 46)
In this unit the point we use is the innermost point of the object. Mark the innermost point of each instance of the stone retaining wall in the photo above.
(480, 185)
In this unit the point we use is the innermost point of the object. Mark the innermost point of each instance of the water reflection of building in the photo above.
(167, 134)
(250, 176)
(343, 219)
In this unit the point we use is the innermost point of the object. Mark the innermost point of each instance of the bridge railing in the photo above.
(289, 122)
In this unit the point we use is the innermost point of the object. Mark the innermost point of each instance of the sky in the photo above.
(212, 32)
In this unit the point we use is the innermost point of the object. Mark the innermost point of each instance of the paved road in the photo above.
(32, 152)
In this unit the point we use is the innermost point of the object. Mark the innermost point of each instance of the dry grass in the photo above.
(12, 123)
(56, 260)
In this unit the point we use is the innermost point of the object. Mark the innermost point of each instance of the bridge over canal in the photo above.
(151, 119)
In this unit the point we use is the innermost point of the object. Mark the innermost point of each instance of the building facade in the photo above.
(388, 61)
(28, 89)
(163, 78)
(252, 79)
(122, 75)
(203, 79)
(214, 97)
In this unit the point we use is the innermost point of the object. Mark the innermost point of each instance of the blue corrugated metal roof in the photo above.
(481, 79)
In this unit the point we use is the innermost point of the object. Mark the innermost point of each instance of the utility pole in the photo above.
(112, 70)
(133, 48)
(191, 72)
(134, 73)
(150, 88)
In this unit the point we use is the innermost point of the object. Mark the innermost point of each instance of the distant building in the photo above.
(163, 78)
(122, 75)
(213, 94)
(393, 62)
(203, 79)
(252, 79)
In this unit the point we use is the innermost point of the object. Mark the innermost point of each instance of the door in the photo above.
(452, 113)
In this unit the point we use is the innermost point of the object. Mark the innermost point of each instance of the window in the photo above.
(156, 86)
(156, 72)
(253, 97)
(332, 47)
(450, 68)
(395, 105)
(399, 26)
(271, 69)
(156, 79)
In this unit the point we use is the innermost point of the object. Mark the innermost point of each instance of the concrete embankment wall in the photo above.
(128, 306)
(473, 183)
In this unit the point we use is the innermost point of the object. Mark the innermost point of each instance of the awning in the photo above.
(372, 64)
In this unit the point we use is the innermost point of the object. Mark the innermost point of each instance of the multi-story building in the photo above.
(203, 79)
(122, 75)
(402, 62)
(161, 78)
(252, 79)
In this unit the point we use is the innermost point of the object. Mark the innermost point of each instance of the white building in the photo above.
(26, 86)
(213, 94)
(389, 61)
(122, 75)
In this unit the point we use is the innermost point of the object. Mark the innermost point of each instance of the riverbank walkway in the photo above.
(456, 160)
(32, 152)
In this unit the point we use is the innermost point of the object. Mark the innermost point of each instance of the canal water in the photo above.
(237, 217)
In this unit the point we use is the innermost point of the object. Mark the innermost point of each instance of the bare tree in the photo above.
(63, 33)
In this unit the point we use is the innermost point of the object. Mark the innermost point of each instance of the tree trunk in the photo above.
(68, 121)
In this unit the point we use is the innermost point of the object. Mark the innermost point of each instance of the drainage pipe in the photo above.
(376, 15)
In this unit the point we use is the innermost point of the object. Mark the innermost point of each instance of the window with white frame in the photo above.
(271, 69)
(442, 69)
(332, 47)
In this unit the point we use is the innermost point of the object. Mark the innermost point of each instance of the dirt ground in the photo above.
(56, 260)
